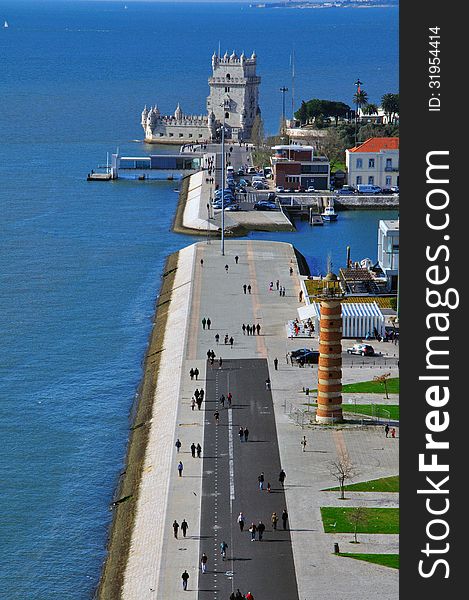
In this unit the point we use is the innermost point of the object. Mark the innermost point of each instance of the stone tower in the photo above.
(330, 353)
(234, 93)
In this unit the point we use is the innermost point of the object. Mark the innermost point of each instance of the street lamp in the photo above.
(358, 84)
(283, 90)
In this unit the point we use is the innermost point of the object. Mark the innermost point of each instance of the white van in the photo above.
(368, 189)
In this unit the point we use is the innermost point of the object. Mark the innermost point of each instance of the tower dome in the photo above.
(178, 113)
(254, 55)
(233, 56)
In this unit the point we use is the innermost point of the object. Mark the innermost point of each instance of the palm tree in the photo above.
(360, 98)
(370, 109)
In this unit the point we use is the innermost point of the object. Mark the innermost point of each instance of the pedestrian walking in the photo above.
(236, 259)
(269, 488)
(201, 262)
(203, 562)
(303, 443)
(178, 444)
(175, 528)
(249, 288)
(193, 403)
(386, 430)
(288, 357)
(196, 373)
(212, 358)
(240, 521)
(253, 329)
(248, 329)
(282, 476)
(276, 364)
(291, 270)
(284, 518)
(300, 296)
(216, 415)
(277, 283)
(246, 434)
(274, 520)
(260, 479)
(193, 450)
(283, 291)
(217, 338)
(253, 530)
(230, 398)
(241, 434)
(245, 287)
(204, 322)
(231, 341)
(244, 329)
(209, 322)
(220, 362)
(239, 595)
(393, 433)
(180, 468)
(184, 527)
(226, 339)
(258, 328)
(191, 373)
(223, 549)
(226, 268)
(199, 403)
(198, 449)
(201, 394)
(267, 384)
(260, 530)
(271, 286)
(222, 400)
(184, 577)
(249, 596)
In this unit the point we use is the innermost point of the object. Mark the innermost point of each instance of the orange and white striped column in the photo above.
(330, 362)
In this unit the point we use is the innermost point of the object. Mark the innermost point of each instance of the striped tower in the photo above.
(330, 353)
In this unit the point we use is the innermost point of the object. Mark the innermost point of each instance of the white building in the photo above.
(388, 251)
(374, 162)
(234, 99)
(358, 318)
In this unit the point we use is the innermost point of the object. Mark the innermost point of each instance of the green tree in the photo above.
(360, 98)
(358, 518)
(370, 109)
(302, 113)
(390, 104)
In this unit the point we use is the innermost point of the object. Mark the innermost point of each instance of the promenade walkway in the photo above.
(157, 559)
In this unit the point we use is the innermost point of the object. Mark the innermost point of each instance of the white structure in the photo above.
(234, 97)
(358, 318)
(374, 162)
(388, 251)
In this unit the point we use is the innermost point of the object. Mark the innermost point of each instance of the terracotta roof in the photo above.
(376, 144)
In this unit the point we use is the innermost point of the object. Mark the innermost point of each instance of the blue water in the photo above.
(80, 263)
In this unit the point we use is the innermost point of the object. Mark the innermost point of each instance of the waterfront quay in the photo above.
(295, 563)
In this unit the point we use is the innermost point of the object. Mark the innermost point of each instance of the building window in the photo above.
(227, 115)
(200, 135)
(389, 163)
(388, 180)
(371, 163)
(190, 135)
(371, 180)
(359, 179)
(161, 134)
(228, 76)
(171, 134)
(227, 89)
(359, 163)
(181, 135)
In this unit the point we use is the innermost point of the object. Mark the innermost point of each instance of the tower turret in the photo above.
(178, 113)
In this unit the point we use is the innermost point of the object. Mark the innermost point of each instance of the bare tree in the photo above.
(343, 469)
(358, 516)
(384, 380)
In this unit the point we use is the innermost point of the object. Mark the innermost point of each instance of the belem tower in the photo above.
(234, 98)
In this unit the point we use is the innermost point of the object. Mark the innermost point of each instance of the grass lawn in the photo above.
(378, 520)
(387, 560)
(385, 484)
(373, 387)
(374, 410)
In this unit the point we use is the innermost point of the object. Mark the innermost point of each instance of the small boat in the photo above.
(329, 213)
(5, 25)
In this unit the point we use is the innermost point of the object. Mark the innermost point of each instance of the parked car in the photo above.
(252, 170)
(362, 349)
(243, 182)
(264, 205)
(279, 189)
(346, 191)
(240, 172)
(369, 189)
(306, 355)
(233, 207)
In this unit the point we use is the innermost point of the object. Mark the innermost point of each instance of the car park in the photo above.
(361, 349)
(264, 205)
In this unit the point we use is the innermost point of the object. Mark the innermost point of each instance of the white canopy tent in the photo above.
(358, 318)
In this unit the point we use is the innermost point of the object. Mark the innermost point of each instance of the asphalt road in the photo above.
(230, 485)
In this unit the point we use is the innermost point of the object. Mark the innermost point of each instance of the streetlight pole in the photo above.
(283, 90)
(358, 84)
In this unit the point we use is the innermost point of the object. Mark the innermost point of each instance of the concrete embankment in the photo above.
(366, 202)
(127, 494)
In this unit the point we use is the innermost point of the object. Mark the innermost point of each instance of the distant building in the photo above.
(388, 252)
(380, 117)
(294, 166)
(234, 98)
(374, 162)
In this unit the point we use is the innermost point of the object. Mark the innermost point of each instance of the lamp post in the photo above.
(283, 90)
(358, 84)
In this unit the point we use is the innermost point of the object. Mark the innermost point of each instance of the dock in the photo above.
(99, 177)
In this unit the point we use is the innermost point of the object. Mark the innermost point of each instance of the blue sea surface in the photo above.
(80, 262)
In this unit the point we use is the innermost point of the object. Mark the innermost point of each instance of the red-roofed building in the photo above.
(374, 162)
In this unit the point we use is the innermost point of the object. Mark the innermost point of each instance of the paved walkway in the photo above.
(157, 559)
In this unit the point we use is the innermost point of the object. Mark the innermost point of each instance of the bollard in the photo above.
(336, 548)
